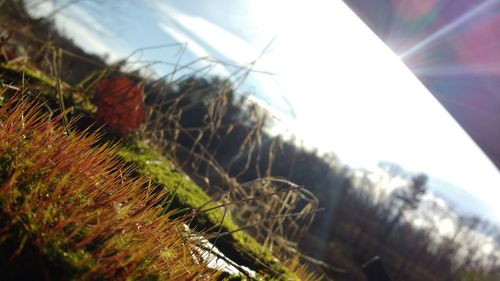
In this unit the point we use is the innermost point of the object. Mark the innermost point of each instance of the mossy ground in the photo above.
(187, 196)
(185, 199)
(70, 209)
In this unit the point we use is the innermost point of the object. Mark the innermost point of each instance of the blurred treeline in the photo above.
(217, 128)
(218, 135)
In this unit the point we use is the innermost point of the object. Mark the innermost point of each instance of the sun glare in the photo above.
(349, 92)
(346, 79)
(353, 95)
(446, 227)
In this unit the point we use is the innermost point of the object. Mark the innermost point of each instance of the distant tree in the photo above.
(469, 240)
(408, 199)
(417, 188)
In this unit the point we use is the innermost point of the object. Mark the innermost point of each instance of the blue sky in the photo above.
(334, 72)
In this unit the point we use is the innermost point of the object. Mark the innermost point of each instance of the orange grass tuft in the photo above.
(77, 204)
(301, 270)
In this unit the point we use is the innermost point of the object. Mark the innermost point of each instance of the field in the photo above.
(97, 181)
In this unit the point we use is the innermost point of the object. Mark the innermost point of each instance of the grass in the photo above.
(174, 194)
(274, 210)
(84, 209)
(82, 224)
(75, 207)
(28, 72)
(237, 245)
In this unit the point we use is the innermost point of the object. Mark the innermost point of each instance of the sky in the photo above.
(321, 64)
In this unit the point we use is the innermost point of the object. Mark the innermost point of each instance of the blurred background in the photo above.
(386, 110)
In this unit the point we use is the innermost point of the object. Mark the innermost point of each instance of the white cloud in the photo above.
(210, 34)
(195, 48)
(182, 38)
(84, 38)
(83, 28)
(41, 8)
(88, 20)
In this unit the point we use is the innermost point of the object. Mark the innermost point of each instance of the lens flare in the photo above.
(479, 47)
(414, 10)
(451, 27)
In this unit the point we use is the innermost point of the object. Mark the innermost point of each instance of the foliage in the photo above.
(251, 181)
(218, 137)
(75, 207)
(205, 212)
(119, 104)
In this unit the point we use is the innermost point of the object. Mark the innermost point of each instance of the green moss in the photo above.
(69, 264)
(59, 262)
(232, 277)
(28, 72)
(6, 163)
(239, 246)
(186, 197)
(186, 194)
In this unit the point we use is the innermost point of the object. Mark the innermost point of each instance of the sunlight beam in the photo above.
(449, 27)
